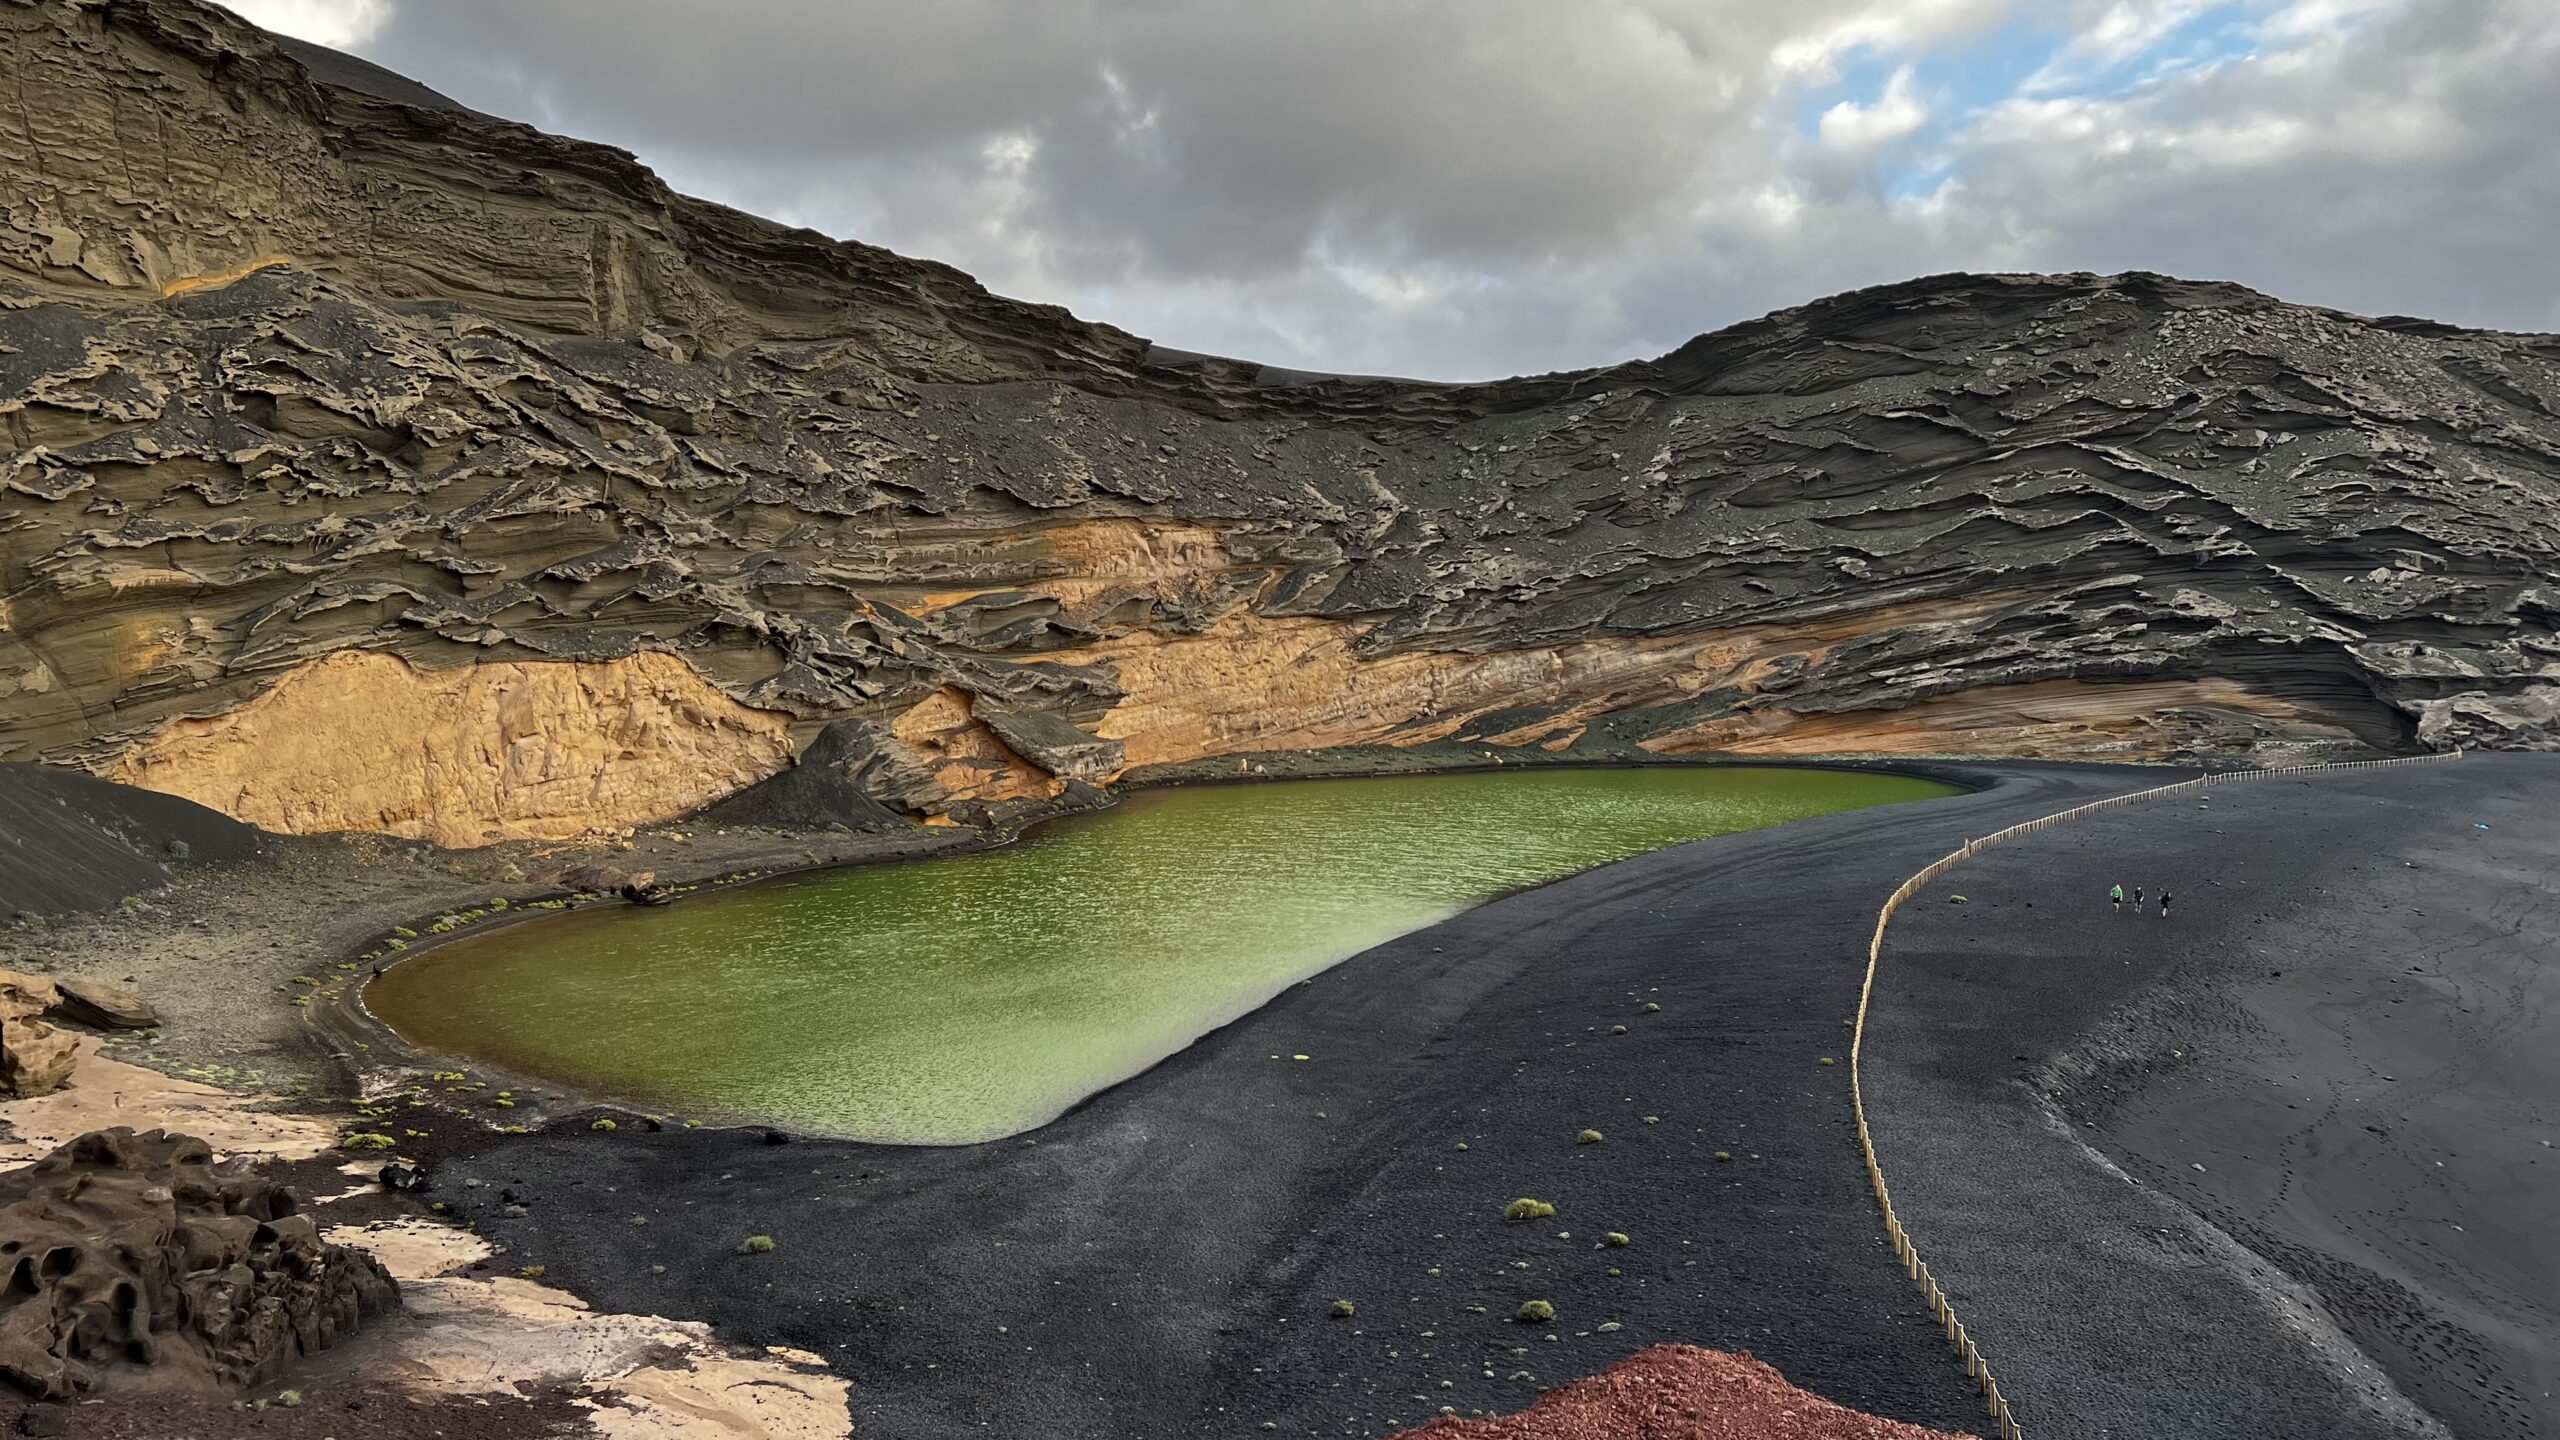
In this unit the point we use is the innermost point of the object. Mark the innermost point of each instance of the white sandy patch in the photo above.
(648, 1378)
(413, 1250)
(103, 1093)
(725, 1398)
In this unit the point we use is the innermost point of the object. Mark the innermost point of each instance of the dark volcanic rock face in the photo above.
(134, 1260)
(642, 493)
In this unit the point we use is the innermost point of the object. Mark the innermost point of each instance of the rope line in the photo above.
(1995, 1403)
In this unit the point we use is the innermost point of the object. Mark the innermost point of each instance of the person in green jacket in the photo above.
(2115, 899)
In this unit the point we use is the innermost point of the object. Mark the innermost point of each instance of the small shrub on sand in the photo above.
(1617, 1029)
(1535, 1312)
(1525, 1208)
(757, 1245)
(1344, 1309)
(1651, 1008)
(604, 1125)
(1724, 1155)
(1589, 1137)
(365, 1140)
(534, 1272)
(1618, 1237)
(1827, 1060)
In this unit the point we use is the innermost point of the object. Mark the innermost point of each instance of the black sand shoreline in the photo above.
(1065, 1284)
(2310, 1109)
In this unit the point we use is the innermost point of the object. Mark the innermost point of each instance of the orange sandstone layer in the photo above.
(468, 756)
(2053, 719)
(1252, 683)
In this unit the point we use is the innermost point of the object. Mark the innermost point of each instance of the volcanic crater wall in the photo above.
(372, 463)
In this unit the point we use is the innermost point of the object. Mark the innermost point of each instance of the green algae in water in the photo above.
(969, 998)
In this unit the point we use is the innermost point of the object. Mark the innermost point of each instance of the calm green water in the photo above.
(963, 999)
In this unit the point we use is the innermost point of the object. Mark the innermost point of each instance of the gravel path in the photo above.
(2277, 1166)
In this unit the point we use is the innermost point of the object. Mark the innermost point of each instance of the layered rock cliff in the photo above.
(373, 463)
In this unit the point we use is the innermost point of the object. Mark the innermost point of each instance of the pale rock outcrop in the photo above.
(103, 1004)
(35, 1058)
(496, 751)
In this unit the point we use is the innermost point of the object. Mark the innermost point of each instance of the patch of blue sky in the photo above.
(1963, 76)
(1955, 80)
(1970, 73)
(1916, 181)
(2215, 35)
(1959, 77)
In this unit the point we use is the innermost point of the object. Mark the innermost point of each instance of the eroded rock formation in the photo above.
(35, 1058)
(444, 436)
(494, 751)
(134, 1258)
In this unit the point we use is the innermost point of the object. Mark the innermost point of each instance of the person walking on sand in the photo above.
(2137, 897)
(2164, 904)
(2115, 899)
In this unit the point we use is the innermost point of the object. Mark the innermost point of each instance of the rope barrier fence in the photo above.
(1995, 1403)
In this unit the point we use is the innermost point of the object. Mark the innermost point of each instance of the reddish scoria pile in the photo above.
(1680, 1392)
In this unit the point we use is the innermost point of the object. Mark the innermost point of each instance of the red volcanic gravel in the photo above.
(1680, 1392)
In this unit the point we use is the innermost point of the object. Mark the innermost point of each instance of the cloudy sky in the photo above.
(1465, 188)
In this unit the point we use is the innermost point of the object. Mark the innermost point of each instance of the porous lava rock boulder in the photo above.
(34, 1057)
(1681, 1392)
(133, 1261)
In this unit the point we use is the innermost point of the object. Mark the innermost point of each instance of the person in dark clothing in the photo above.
(2164, 904)
(2137, 897)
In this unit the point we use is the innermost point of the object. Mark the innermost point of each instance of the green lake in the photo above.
(952, 1000)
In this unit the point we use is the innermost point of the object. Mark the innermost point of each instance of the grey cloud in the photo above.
(1471, 187)
(2412, 172)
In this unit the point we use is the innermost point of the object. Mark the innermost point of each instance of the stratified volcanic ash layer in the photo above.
(135, 1260)
(2329, 1080)
(290, 369)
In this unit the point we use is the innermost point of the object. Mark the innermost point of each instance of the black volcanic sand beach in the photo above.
(1165, 1260)
(2339, 1051)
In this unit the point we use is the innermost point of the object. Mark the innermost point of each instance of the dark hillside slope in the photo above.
(68, 842)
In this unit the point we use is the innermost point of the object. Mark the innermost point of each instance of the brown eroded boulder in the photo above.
(24, 996)
(594, 875)
(104, 1005)
(35, 1058)
(134, 1261)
